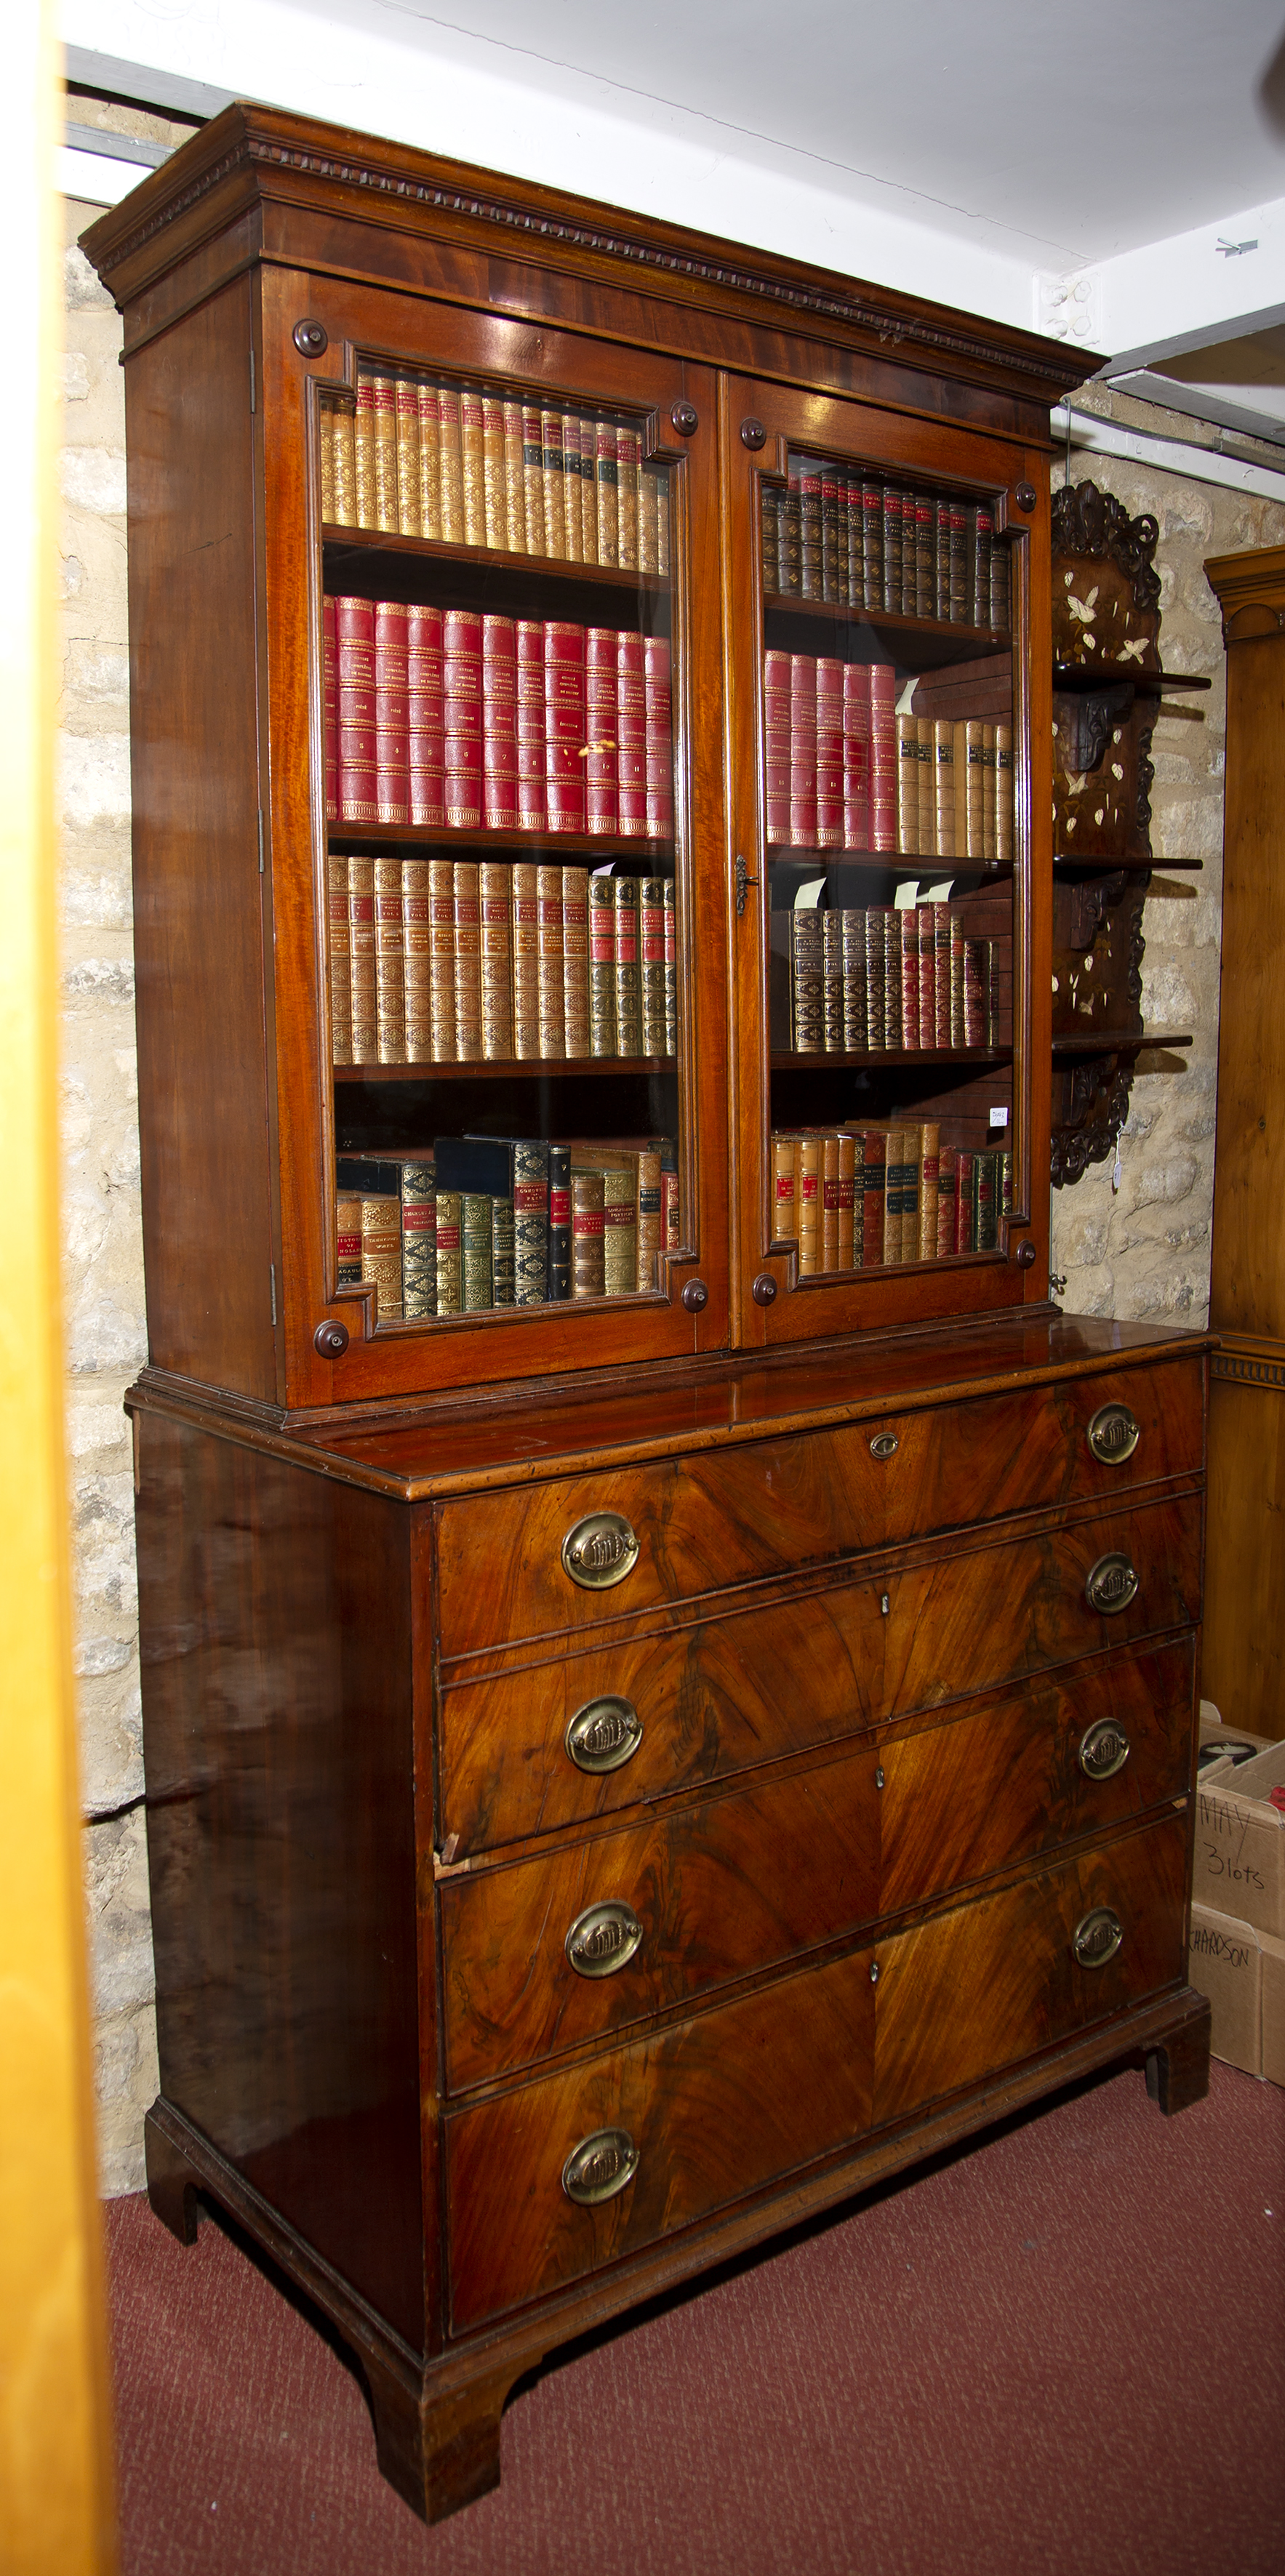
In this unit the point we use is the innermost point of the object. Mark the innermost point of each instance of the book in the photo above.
(390, 982)
(383, 394)
(670, 1225)
(1003, 792)
(671, 967)
(419, 1237)
(872, 595)
(476, 1290)
(803, 736)
(550, 976)
(929, 1187)
(502, 1252)
(947, 1209)
(628, 980)
(619, 1173)
(468, 964)
(462, 718)
(572, 506)
(513, 1174)
(856, 756)
(417, 963)
(807, 1202)
(529, 722)
(564, 724)
(450, 1274)
(340, 960)
(441, 960)
(575, 961)
(355, 749)
(330, 706)
(829, 1195)
(605, 491)
(430, 461)
(533, 478)
(807, 969)
(361, 958)
(494, 894)
(515, 531)
(631, 737)
(348, 1239)
(651, 947)
(782, 1224)
(450, 462)
(789, 535)
(853, 952)
(602, 966)
(659, 737)
(494, 474)
(381, 1251)
(884, 759)
(829, 753)
(559, 1273)
(426, 717)
(525, 959)
(406, 419)
(588, 1225)
(602, 805)
(628, 464)
(832, 1033)
(499, 724)
(364, 452)
(907, 728)
(777, 740)
(981, 530)
(874, 1175)
(472, 471)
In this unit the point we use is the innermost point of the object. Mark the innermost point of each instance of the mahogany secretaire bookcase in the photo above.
(624, 1771)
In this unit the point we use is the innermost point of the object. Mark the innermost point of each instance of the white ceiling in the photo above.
(979, 155)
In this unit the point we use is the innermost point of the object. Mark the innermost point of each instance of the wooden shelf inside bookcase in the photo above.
(1111, 1042)
(528, 1068)
(498, 845)
(493, 559)
(904, 863)
(947, 641)
(784, 1056)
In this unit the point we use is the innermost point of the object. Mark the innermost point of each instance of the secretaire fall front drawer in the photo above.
(542, 1743)
(556, 1556)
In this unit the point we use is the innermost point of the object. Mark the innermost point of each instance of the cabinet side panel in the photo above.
(1247, 1286)
(275, 1619)
(197, 886)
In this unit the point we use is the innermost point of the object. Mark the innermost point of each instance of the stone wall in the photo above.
(1143, 1250)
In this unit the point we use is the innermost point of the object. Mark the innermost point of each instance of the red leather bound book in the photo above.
(631, 737)
(829, 769)
(499, 724)
(330, 705)
(803, 751)
(883, 756)
(856, 756)
(660, 736)
(776, 744)
(564, 726)
(530, 723)
(426, 713)
(965, 1201)
(602, 804)
(355, 639)
(462, 712)
(926, 919)
(392, 717)
(908, 924)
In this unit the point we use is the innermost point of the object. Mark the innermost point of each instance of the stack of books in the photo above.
(477, 1222)
(461, 465)
(883, 979)
(842, 534)
(845, 772)
(453, 721)
(461, 961)
(875, 1196)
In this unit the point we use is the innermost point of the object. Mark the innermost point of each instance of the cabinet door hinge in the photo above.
(260, 840)
(272, 1279)
(252, 403)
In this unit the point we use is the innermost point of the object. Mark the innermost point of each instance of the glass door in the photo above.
(883, 873)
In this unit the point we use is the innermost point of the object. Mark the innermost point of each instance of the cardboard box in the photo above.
(1213, 1731)
(1242, 1970)
(1239, 1864)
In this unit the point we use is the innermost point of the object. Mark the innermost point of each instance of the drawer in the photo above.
(988, 1983)
(721, 1888)
(737, 1687)
(731, 1515)
(747, 2093)
(714, 2107)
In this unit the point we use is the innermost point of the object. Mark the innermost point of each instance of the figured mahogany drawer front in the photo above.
(687, 2122)
(712, 2108)
(719, 1693)
(548, 1953)
(726, 1516)
(977, 1988)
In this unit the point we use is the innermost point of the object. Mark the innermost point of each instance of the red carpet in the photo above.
(1062, 2350)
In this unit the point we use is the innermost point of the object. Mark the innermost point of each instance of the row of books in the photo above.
(477, 1222)
(883, 979)
(461, 961)
(461, 465)
(841, 534)
(457, 721)
(869, 1197)
(843, 770)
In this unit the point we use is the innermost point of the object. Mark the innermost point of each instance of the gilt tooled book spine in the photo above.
(807, 981)
(944, 782)
(326, 424)
(588, 1230)
(340, 960)
(830, 1202)
(589, 489)
(981, 535)
(476, 1292)
(876, 980)
(392, 714)
(853, 541)
(441, 960)
(430, 461)
(960, 600)
(390, 971)
(783, 1222)
(777, 741)
(1003, 792)
(419, 1237)
(344, 417)
(871, 592)
(602, 966)
(494, 474)
(426, 716)
(892, 980)
(929, 1186)
(988, 792)
(602, 810)
(564, 726)
(651, 941)
(807, 1203)
(908, 927)
(829, 753)
(462, 717)
(450, 1278)
(651, 1216)
(628, 468)
(769, 518)
(986, 1183)
(659, 724)
(925, 555)
(572, 515)
(941, 559)
(406, 410)
(853, 946)
(832, 982)
(575, 962)
(892, 548)
(364, 453)
(965, 1202)
(355, 649)
(514, 480)
(530, 724)
(908, 785)
(947, 1201)
(330, 705)
(830, 531)
(503, 1253)
(468, 965)
(648, 520)
(606, 486)
(874, 1174)
(671, 967)
(811, 544)
(927, 787)
(884, 761)
(856, 756)
(619, 1226)
(555, 495)
(803, 751)
(550, 980)
(499, 724)
(473, 466)
(530, 1222)
(383, 391)
(495, 929)
(1001, 602)
(361, 958)
(941, 975)
(851, 1199)
(631, 737)
(976, 991)
(526, 960)
(417, 960)
(926, 925)
(628, 977)
(348, 1239)
(533, 478)
(381, 1253)
(452, 466)
(789, 534)
(559, 1282)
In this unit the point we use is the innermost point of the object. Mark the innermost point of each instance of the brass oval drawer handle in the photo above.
(599, 2167)
(603, 1938)
(885, 1444)
(600, 1550)
(1097, 1937)
(1104, 1749)
(1113, 1434)
(1111, 1584)
(603, 1735)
